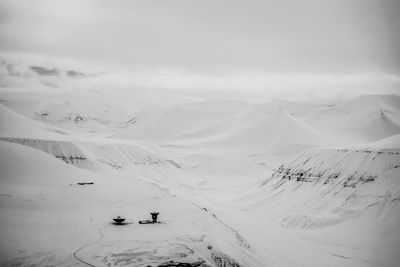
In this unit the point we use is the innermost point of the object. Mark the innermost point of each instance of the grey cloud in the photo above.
(44, 71)
(210, 36)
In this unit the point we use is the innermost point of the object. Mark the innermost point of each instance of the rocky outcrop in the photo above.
(321, 186)
(63, 150)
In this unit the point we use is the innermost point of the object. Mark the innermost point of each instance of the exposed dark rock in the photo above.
(70, 159)
(222, 260)
(200, 263)
(85, 183)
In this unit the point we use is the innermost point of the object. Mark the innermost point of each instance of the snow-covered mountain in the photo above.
(236, 182)
(345, 197)
(278, 132)
(323, 186)
(365, 119)
(64, 223)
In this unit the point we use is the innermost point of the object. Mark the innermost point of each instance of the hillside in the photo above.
(320, 181)
(16, 125)
(35, 207)
(343, 197)
(366, 119)
(278, 133)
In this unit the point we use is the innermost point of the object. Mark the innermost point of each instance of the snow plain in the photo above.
(237, 183)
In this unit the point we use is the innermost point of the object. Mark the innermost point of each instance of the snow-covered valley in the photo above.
(236, 183)
(229, 133)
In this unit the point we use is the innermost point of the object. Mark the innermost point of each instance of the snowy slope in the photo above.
(217, 153)
(62, 222)
(298, 110)
(278, 133)
(194, 120)
(342, 197)
(67, 112)
(218, 105)
(168, 124)
(335, 183)
(392, 142)
(366, 119)
(98, 156)
(16, 125)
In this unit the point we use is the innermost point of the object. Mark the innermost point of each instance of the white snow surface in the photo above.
(236, 183)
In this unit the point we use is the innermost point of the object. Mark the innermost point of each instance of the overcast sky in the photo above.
(221, 44)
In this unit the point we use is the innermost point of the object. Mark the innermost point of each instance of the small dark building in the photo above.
(154, 216)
